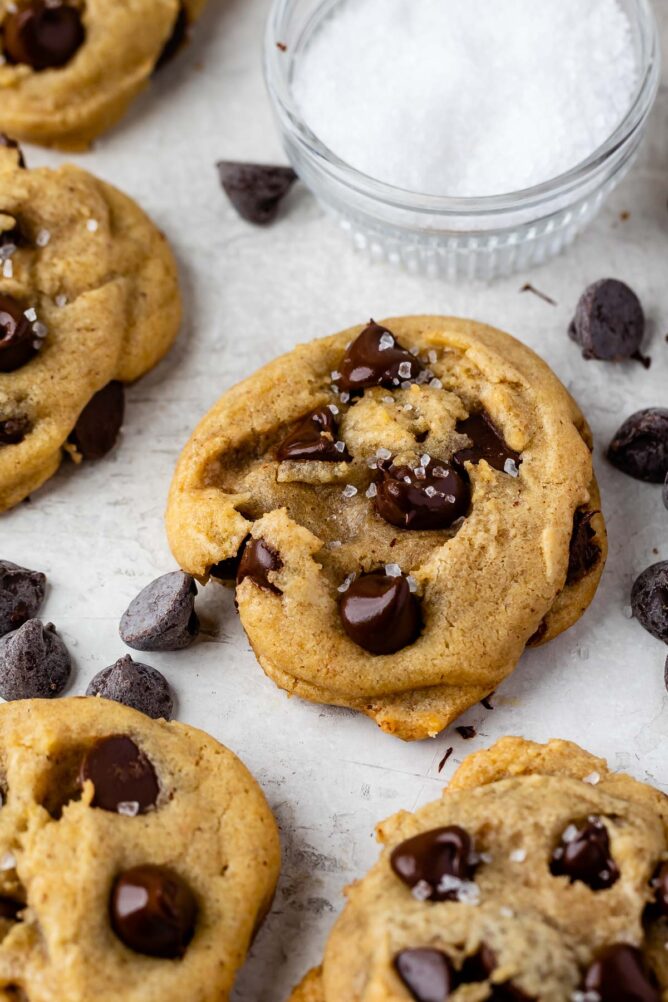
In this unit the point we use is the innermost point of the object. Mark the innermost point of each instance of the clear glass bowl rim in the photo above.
(278, 85)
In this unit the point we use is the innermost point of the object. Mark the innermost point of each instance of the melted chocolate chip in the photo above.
(100, 421)
(649, 600)
(609, 322)
(43, 34)
(257, 560)
(486, 443)
(640, 447)
(660, 885)
(16, 336)
(14, 430)
(21, 595)
(432, 858)
(11, 144)
(427, 974)
(619, 975)
(584, 854)
(10, 909)
(153, 911)
(315, 437)
(375, 358)
(380, 614)
(121, 774)
(255, 190)
(432, 498)
(176, 40)
(584, 553)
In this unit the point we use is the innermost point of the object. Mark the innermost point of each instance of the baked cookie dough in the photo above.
(89, 299)
(421, 505)
(70, 68)
(137, 857)
(539, 874)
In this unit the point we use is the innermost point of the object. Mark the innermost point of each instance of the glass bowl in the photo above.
(457, 238)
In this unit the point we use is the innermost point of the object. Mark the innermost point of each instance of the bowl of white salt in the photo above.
(462, 138)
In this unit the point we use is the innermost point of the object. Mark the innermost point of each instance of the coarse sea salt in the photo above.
(467, 97)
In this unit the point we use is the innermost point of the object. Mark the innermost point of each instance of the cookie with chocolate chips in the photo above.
(539, 874)
(376, 492)
(89, 301)
(142, 852)
(52, 90)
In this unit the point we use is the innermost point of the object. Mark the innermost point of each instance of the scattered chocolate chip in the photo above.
(136, 685)
(124, 779)
(619, 975)
(640, 447)
(649, 600)
(257, 560)
(34, 662)
(659, 884)
(437, 860)
(584, 553)
(14, 430)
(153, 911)
(380, 613)
(43, 34)
(96, 431)
(21, 595)
(486, 443)
(584, 854)
(427, 497)
(11, 144)
(315, 437)
(528, 287)
(162, 617)
(478, 966)
(427, 974)
(609, 322)
(176, 40)
(448, 753)
(375, 358)
(466, 732)
(255, 190)
(17, 339)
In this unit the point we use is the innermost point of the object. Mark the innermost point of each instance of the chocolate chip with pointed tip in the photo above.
(376, 358)
(162, 617)
(649, 600)
(121, 774)
(14, 430)
(34, 662)
(96, 431)
(255, 190)
(487, 443)
(42, 34)
(421, 498)
(426, 859)
(11, 144)
(609, 322)
(640, 446)
(584, 552)
(21, 595)
(583, 854)
(619, 974)
(257, 561)
(314, 438)
(380, 613)
(134, 684)
(17, 340)
(428, 974)
(153, 911)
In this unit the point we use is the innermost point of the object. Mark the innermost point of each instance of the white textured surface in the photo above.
(251, 294)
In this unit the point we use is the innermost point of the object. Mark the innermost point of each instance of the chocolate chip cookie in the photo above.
(411, 502)
(89, 300)
(70, 68)
(539, 874)
(137, 857)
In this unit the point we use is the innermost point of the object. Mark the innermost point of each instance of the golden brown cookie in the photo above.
(70, 68)
(89, 300)
(395, 481)
(137, 857)
(539, 874)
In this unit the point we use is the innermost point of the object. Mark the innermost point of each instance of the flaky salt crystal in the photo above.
(349, 491)
(393, 570)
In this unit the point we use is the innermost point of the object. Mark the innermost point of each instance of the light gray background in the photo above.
(251, 294)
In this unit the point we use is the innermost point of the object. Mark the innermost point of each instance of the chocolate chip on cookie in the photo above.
(431, 495)
(619, 974)
(257, 561)
(98, 425)
(375, 358)
(649, 600)
(42, 34)
(11, 144)
(479, 965)
(584, 552)
(640, 446)
(153, 911)
(21, 595)
(437, 865)
(34, 662)
(428, 974)
(584, 854)
(255, 190)
(14, 430)
(380, 613)
(136, 685)
(609, 322)
(18, 340)
(315, 438)
(486, 443)
(162, 617)
(124, 779)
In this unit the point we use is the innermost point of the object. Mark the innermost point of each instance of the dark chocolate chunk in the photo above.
(609, 322)
(124, 779)
(17, 338)
(34, 662)
(584, 854)
(486, 443)
(478, 966)
(99, 423)
(649, 600)
(432, 496)
(315, 437)
(11, 144)
(136, 685)
(640, 447)
(375, 358)
(584, 553)
(466, 732)
(619, 974)
(255, 190)
(162, 617)
(10, 909)
(438, 861)
(176, 40)
(257, 560)
(659, 884)
(153, 911)
(428, 974)
(14, 430)
(43, 34)
(380, 613)
(21, 595)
